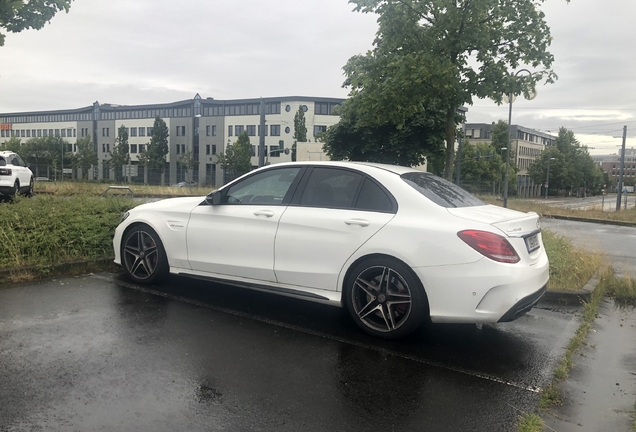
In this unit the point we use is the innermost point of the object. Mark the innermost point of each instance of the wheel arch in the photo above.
(352, 265)
(136, 224)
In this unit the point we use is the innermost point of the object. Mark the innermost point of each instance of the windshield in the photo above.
(440, 191)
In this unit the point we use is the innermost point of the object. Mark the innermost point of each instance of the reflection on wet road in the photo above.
(98, 353)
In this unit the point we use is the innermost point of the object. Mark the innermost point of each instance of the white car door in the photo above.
(338, 211)
(236, 237)
(23, 173)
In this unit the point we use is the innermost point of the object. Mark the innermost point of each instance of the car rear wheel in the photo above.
(385, 298)
(30, 191)
(143, 255)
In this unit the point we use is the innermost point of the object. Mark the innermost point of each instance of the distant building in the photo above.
(611, 164)
(201, 126)
(527, 145)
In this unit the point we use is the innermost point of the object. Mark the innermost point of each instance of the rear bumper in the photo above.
(523, 306)
(483, 291)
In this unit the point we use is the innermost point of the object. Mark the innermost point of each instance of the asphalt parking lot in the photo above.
(98, 353)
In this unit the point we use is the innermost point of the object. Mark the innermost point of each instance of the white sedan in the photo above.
(394, 245)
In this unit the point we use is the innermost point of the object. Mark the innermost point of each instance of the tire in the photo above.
(29, 192)
(385, 298)
(16, 188)
(143, 255)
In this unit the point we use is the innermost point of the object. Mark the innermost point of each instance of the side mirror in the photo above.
(213, 198)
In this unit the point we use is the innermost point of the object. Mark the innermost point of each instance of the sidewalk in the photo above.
(600, 393)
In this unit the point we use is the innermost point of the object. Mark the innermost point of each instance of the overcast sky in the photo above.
(155, 51)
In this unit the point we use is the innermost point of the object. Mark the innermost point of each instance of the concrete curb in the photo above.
(572, 298)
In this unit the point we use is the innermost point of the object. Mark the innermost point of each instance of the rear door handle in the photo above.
(361, 222)
(266, 213)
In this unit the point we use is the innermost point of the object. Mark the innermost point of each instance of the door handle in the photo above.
(361, 222)
(266, 213)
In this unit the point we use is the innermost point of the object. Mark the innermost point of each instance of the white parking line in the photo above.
(491, 378)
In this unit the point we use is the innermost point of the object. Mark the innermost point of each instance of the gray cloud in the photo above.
(149, 51)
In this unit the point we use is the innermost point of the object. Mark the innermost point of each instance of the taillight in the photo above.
(490, 245)
(5, 171)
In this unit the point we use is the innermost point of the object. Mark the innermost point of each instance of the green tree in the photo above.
(85, 157)
(154, 155)
(570, 165)
(351, 139)
(445, 52)
(120, 156)
(189, 162)
(500, 135)
(300, 129)
(14, 144)
(237, 159)
(18, 15)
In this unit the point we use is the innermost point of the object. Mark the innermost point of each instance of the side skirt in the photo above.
(330, 298)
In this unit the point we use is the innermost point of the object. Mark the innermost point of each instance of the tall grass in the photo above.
(52, 229)
(72, 188)
(526, 205)
(570, 266)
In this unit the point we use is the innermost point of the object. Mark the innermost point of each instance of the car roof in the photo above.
(395, 169)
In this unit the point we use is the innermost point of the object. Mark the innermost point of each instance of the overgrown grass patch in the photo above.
(52, 229)
(73, 188)
(530, 423)
(570, 266)
(527, 205)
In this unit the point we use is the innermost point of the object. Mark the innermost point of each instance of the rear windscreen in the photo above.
(440, 191)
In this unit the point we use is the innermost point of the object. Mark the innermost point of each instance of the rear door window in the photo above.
(441, 191)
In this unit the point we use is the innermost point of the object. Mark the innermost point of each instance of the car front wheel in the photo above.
(143, 255)
(385, 298)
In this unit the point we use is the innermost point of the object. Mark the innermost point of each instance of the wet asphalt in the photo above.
(97, 353)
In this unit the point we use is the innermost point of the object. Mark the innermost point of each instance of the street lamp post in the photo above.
(619, 191)
(501, 150)
(547, 178)
(510, 100)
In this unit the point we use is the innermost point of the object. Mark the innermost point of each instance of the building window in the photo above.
(274, 130)
(322, 108)
(213, 149)
(251, 130)
(142, 148)
(319, 129)
(178, 148)
(39, 133)
(28, 132)
(45, 132)
(63, 133)
(142, 131)
(213, 130)
(239, 129)
(133, 131)
(229, 130)
(287, 130)
(133, 148)
(208, 130)
(253, 151)
(50, 132)
(149, 131)
(207, 149)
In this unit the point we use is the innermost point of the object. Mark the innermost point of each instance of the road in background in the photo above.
(618, 243)
(98, 353)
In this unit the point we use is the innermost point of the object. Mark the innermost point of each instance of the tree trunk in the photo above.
(450, 143)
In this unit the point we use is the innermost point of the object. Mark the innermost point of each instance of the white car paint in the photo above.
(306, 252)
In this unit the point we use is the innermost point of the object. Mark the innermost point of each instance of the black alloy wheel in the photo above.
(385, 298)
(143, 255)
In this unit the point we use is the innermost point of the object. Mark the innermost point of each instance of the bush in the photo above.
(51, 229)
